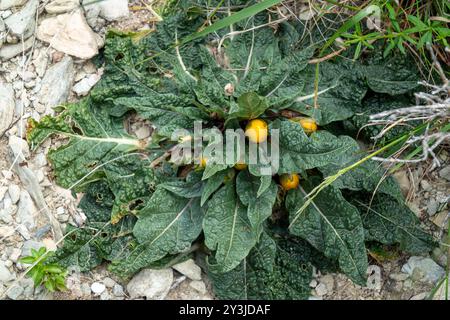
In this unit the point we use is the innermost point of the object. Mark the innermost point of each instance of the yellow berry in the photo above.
(289, 181)
(185, 139)
(240, 166)
(256, 131)
(309, 125)
(203, 161)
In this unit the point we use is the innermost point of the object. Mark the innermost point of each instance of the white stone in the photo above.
(321, 289)
(199, 286)
(23, 231)
(118, 290)
(61, 6)
(85, 289)
(151, 284)
(40, 160)
(83, 87)
(69, 33)
(403, 181)
(328, 281)
(425, 185)
(92, 11)
(15, 292)
(19, 146)
(3, 190)
(420, 296)
(6, 4)
(55, 86)
(445, 173)
(189, 269)
(398, 276)
(6, 214)
(313, 283)
(113, 9)
(23, 22)
(108, 282)
(432, 272)
(15, 255)
(143, 132)
(27, 76)
(5, 274)
(98, 288)
(105, 296)
(40, 62)
(11, 50)
(6, 231)
(26, 211)
(14, 193)
(7, 174)
(7, 106)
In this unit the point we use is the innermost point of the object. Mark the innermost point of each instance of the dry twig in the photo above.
(431, 106)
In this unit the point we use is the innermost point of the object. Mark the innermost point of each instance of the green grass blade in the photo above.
(350, 23)
(234, 18)
(330, 179)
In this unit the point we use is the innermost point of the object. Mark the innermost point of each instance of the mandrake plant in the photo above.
(245, 229)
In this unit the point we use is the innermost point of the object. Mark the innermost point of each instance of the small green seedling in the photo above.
(50, 275)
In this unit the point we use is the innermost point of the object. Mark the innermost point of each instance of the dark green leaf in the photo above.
(390, 222)
(167, 225)
(227, 229)
(249, 106)
(299, 152)
(273, 270)
(333, 226)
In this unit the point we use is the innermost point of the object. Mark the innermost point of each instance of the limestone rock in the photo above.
(7, 106)
(23, 22)
(11, 50)
(151, 284)
(70, 34)
(61, 6)
(6, 4)
(56, 84)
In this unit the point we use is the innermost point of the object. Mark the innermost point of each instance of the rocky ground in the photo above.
(45, 52)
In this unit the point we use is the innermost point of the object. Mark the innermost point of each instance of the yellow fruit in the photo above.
(289, 181)
(203, 161)
(309, 125)
(256, 131)
(185, 139)
(240, 166)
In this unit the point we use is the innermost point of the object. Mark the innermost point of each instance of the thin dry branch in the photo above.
(431, 106)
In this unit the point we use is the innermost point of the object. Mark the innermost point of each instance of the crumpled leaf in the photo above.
(86, 247)
(95, 140)
(212, 184)
(273, 270)
(367, 176)
(391, 222)
(341, 89)
(299, 152)
(168, 224)
(393, 75)
(259, 208)
(227, 229)
(132, 183)
(192, 187)
(332, 225)
(249, 106)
